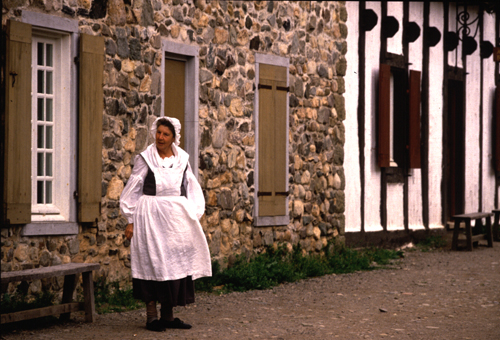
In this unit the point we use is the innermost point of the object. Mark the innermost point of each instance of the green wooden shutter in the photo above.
(272, 140)
(175, 77)
(17, 170)
(384, 116)
(91, 97)
(414, 133)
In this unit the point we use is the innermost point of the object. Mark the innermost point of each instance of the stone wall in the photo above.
(228, 33)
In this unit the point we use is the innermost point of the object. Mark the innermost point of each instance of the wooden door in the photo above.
(175, 94)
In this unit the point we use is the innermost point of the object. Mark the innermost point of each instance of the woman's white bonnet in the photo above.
(175, 122)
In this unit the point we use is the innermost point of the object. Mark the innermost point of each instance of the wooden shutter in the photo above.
(90, 113)
(273, 140)
(414, 120)
(497, 129)
(17, 170)
(175, 80)
(384, 116)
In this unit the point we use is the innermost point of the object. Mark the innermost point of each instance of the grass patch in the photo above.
(110, 297)
(432, 243)
(276, 266)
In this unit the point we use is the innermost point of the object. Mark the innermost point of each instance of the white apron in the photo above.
(168, 241)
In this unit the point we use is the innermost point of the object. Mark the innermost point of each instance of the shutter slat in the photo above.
(414, 128)
(90, 127)
(384, 121)
(17, 175)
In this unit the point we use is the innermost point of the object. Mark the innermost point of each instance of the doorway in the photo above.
(454, 150)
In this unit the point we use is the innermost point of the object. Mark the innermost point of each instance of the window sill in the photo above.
(265, 221)
(50, 228)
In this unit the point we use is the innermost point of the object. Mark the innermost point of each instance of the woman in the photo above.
(163, 203)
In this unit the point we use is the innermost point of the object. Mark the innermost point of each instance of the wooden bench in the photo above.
(496, 225)
(69, 270)
(469, 238)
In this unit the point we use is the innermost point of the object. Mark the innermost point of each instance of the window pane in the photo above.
(39, 166)
(39, 192)
(40, 53)
(40, 81)
(48, 164)
(48, 192)
(40, 137)
(49, 82)
(48, 57)
(40, 108)
(48, 144)
(48, 110)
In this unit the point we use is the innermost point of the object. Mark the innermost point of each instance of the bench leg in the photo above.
(88, 294)
(496, 227)
(489, 232)
(468, 234)
(69, 288)
(456, 230)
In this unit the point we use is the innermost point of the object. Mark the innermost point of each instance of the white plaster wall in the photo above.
(351, 147)
(436, 118)
(394, 44)
(488, 109)
(395, 207)
(415, 50)
(472, 125)
(372, 171)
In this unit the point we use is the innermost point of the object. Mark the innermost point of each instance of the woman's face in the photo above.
(164, 138)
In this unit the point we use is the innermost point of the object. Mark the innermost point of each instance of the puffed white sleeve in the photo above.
(194, 193)
(133, 190)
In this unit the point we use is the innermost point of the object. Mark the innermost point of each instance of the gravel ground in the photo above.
(425, 295)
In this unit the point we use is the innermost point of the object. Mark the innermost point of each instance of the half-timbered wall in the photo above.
(407, 197)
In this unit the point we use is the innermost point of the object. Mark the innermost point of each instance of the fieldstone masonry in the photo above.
(229, 33)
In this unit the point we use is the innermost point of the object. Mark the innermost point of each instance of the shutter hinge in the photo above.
(75, 194)
(76, 59)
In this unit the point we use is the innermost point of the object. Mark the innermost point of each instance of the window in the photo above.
(398, 118)
(180, 91)
(53, 179)
(53, 173)
(271, 124)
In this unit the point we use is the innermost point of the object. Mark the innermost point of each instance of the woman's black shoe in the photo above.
(155, 326)
(177, 323)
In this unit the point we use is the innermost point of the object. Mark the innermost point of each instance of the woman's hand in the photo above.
(129, 231)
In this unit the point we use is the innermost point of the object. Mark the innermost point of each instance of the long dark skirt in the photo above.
(168, 293)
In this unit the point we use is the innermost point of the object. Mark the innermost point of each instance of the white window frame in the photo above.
(59, 218)
(261, 221)
(189, 54)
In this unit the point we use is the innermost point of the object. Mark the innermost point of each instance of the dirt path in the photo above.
(434, 295)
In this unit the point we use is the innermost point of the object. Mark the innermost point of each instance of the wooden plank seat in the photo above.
(469, 238)
(69, 271)
(496, 225)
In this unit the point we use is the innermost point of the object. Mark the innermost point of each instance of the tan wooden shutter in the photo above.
(414, 133)
(497, 129)
(175, 78)
(17, 175)
(384, 116)
(91, 107)
(272, 140)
